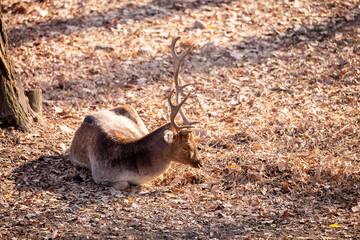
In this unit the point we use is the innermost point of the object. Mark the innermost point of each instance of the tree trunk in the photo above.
(14, 106)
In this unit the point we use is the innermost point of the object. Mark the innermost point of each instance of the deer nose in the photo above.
(198, 164)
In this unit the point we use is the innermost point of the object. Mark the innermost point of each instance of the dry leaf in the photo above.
(66, 129)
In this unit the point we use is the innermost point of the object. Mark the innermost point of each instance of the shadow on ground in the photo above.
(49, 173)
(156, 8)
(56, 174)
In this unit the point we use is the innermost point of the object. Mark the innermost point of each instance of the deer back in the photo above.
(119, 124)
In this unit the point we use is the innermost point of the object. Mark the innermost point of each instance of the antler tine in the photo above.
(174, 111)
(178, 60)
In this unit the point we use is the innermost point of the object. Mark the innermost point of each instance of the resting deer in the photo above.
(120, 151)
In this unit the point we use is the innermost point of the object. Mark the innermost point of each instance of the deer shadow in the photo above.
(49, 173)
(56, 174)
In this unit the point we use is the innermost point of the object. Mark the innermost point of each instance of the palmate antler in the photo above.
(178, 60)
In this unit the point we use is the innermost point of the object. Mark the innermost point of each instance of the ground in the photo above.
(276, 98)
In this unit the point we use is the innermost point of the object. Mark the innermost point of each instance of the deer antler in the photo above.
(174, 111)
(178, 60)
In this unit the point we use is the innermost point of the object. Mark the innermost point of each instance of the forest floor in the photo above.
(277, 99)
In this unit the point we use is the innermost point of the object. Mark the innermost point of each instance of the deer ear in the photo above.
(169, 136)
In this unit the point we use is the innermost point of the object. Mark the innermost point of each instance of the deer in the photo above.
(120, 151)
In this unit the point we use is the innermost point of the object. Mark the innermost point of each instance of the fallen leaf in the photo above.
(58, 109)
(281, 166)
(66, 129)
(355, 209)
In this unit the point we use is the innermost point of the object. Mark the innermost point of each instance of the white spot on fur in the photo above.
(169, 136)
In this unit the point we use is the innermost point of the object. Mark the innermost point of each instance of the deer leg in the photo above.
(120, 185)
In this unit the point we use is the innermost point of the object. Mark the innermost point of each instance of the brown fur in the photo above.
(118, 149)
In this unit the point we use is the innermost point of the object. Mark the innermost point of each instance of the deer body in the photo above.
(118, 149)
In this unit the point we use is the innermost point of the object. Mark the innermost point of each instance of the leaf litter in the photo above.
(276, 98)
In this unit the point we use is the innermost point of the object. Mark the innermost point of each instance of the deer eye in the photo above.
(186, 148)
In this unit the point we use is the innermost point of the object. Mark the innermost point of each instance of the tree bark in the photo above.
(14, 106)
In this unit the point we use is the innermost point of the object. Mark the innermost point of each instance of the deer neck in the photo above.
(153, 142)
(144, 156)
